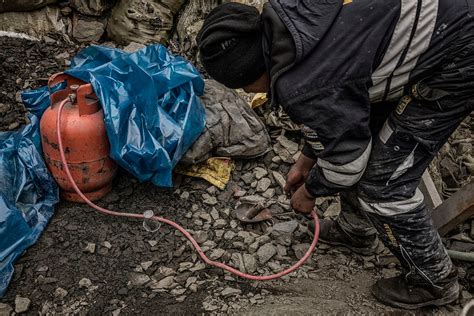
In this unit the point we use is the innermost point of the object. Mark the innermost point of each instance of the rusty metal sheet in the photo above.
(252, 213)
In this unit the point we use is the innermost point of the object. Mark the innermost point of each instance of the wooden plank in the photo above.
(427, 186)
(455, 210)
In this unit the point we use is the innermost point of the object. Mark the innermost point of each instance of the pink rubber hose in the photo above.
(178, 227)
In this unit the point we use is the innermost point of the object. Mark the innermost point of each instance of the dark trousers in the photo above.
(386, 199)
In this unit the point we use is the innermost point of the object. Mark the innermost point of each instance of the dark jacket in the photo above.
(329, 60)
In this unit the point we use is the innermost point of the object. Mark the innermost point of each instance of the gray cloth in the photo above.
(232, 128)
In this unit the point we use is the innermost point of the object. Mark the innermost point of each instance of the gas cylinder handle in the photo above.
(61, 77)
(87, 101)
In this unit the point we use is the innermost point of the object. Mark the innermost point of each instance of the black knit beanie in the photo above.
(230, 43)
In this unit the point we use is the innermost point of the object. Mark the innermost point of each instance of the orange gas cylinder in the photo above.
(84, 138)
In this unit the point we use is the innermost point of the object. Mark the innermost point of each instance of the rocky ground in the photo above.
(86, 262)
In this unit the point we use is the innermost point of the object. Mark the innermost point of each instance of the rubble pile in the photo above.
(84, 20)
(25, 65)
(123, 21)
(453, 167)
(86, 262)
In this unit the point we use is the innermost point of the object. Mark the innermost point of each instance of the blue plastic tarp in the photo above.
(27, 195)
(151, 106)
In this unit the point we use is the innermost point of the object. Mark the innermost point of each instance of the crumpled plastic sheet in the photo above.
(151, 104)
(28, 193)
(216, 171)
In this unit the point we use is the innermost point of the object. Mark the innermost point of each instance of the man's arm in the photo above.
(339, 117)
(299, 173)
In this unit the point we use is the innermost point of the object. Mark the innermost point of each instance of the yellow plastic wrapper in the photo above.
(216, 171)
(258, 100)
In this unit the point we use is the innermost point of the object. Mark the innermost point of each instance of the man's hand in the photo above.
(302, 201)
(298, 174)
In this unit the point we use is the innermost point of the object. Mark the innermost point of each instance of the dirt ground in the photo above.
(334, 280)
(87, 263)
(51, 274)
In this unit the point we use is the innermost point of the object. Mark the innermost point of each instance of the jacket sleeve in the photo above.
(337, 134)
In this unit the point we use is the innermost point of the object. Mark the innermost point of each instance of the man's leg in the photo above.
(352, 218)
(388, 193)
(352, 229)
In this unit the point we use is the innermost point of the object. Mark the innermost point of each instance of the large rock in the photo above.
(283, 232)
(252, 199)
(279, 179)
(138, 279)
(163, 284)
(190, 23)
(87, 29)
(250, 263)
(85, 283)
(91, 7)
(266, 252)
(23, 5)
(255, 3)
(237, 260)
(22, 304)
(142, 21)
(5, 309)
(192, 19)
(289, 145)
(36, 23)
(300, 249)
(263, 184)
(229, 291)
